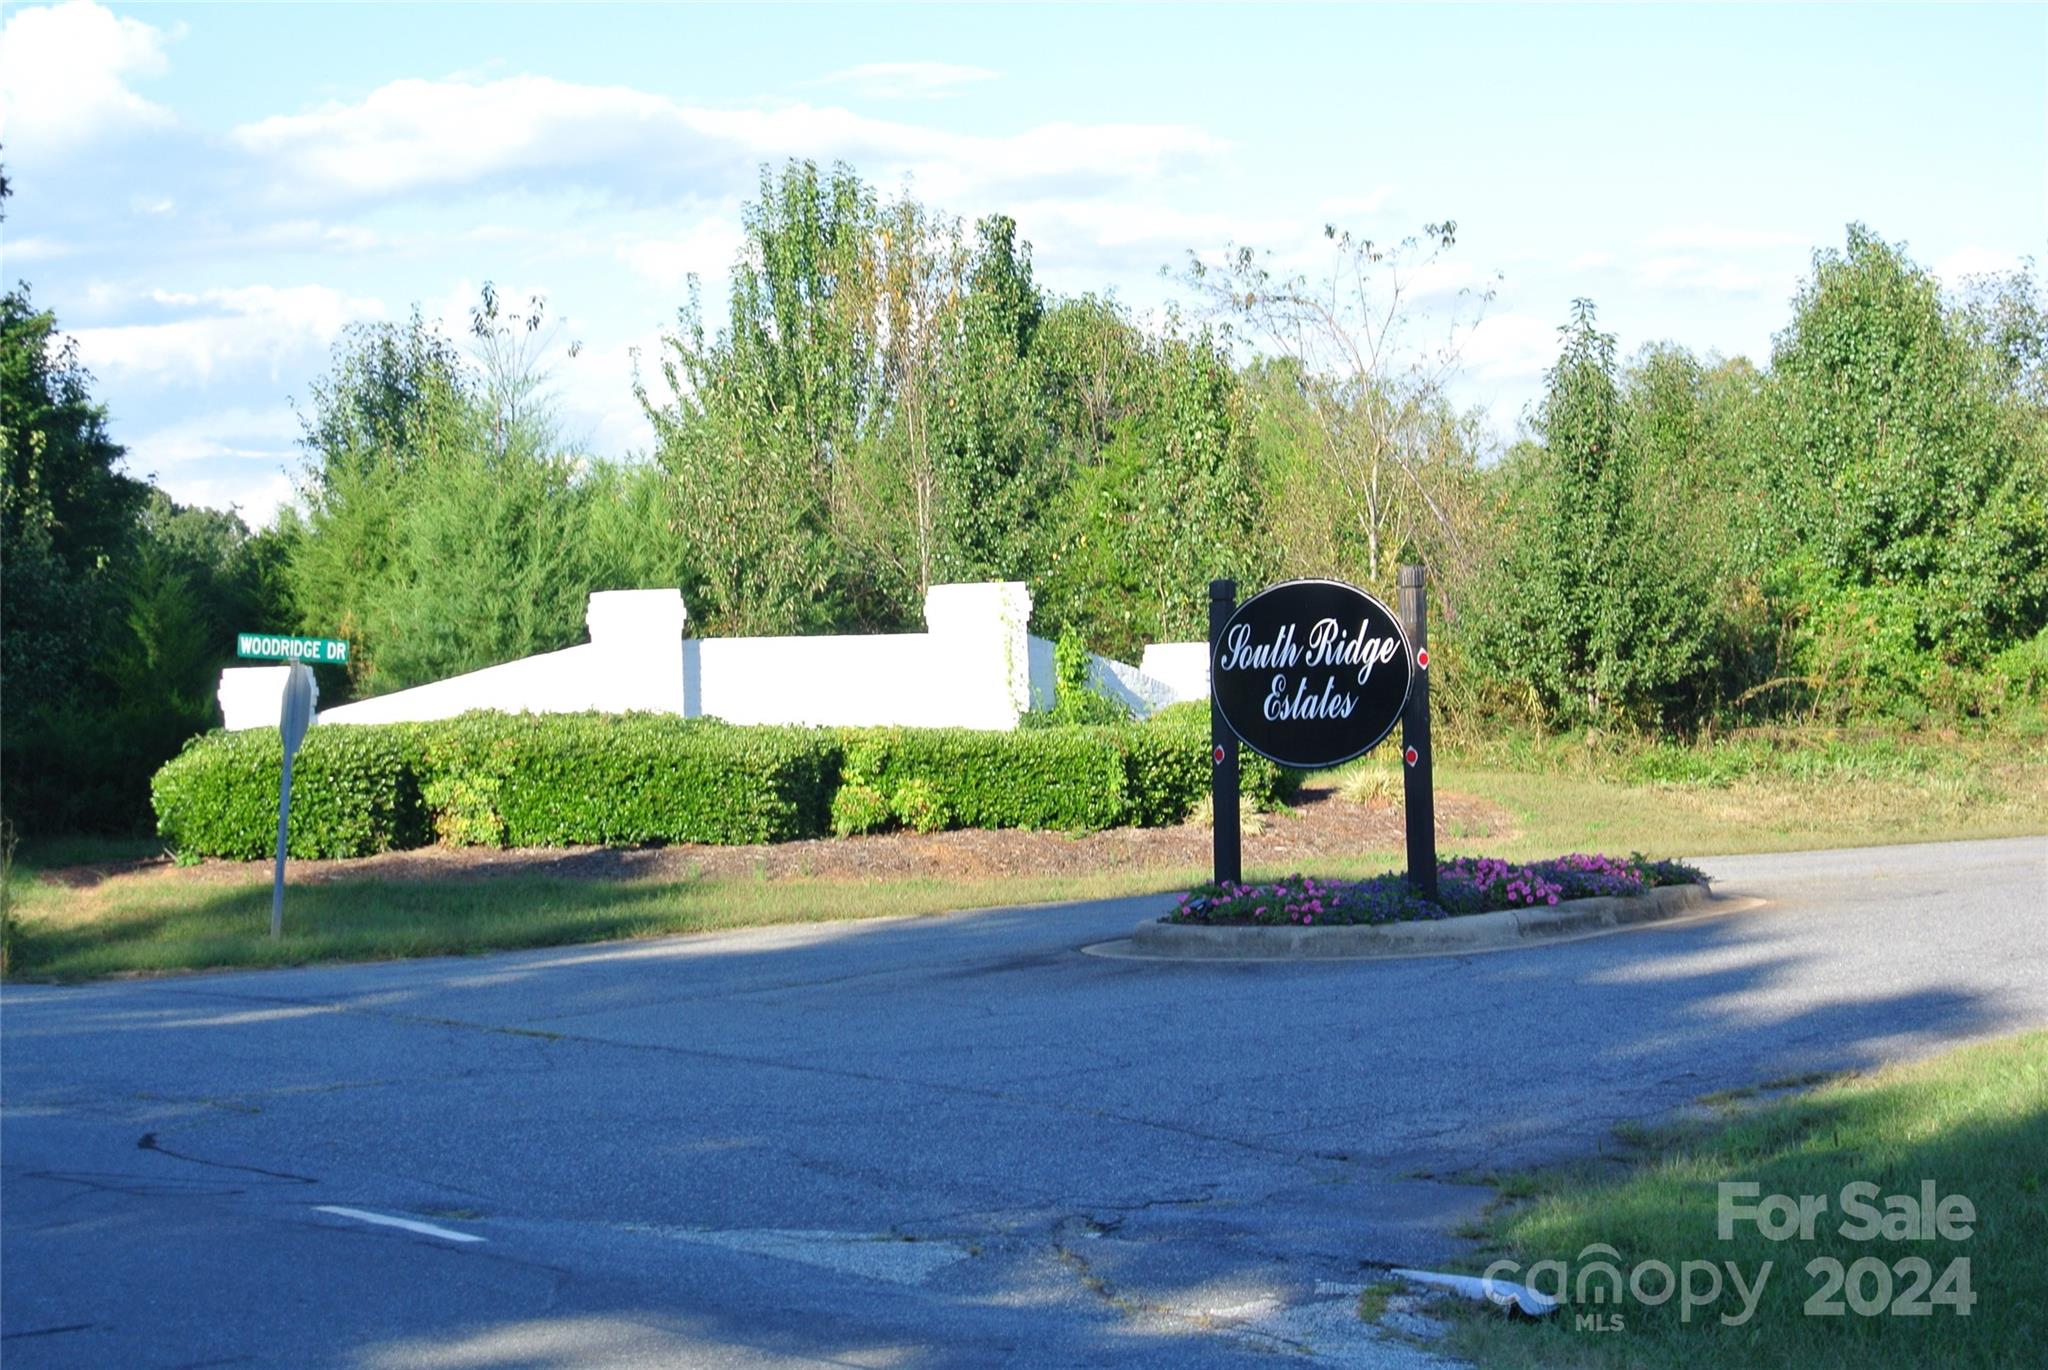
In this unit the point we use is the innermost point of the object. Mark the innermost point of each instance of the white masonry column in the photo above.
(981, 636)
(637, 638)
(253, 696)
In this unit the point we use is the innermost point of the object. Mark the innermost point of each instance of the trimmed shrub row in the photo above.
(355, 791)
(617, 779)
(933, 778)
(525, 780)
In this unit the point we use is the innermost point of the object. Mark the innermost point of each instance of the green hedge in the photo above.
(524, 780)
(931, 778)
(355, 790)
(614, 779)
(1075, 778)
(1179, 773)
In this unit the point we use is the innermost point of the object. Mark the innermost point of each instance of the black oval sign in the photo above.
(1311, 673)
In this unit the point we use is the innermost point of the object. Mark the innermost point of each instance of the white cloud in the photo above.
(1510, 347)
(410, 135)
(1110, 235)
(233, 434)
(594, 394)
(1440, 278)
(1593, 261)
(1703, 276)
(258, 495)
(64, 73)
(905, 80)
(1370, 202)
(1722, 238)
(706, 250)
(36, 250)
(311, 235)
(234, 456)
(227, 329)
(1965, 262)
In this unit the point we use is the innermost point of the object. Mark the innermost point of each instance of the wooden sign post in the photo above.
(1418, 789)
(1223, 780)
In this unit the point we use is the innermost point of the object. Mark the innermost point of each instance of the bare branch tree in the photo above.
(1380, 405)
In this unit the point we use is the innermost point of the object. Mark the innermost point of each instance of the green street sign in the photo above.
(312, 650)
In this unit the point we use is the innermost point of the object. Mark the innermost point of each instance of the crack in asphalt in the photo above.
(1131, 1307)
(148, 1142)
(133, 1186)
(48, 1331)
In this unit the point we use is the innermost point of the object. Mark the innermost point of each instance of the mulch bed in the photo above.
(1320, 824)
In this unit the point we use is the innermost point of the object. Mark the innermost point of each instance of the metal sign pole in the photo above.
(1418, 789)
(1223, 777)
(294, 718)
(284, 809)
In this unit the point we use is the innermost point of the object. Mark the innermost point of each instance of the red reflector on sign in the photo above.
(1411, 756)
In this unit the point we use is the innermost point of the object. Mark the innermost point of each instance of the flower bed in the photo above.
(1464, 885)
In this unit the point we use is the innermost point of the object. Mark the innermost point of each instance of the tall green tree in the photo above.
(757, 417)
(67, 515)
(193, 578)
(391, 408)
(888, 495)
(1168, 504)
(444, 529)
(997, 466)
(1587, 609)
(1912, 475)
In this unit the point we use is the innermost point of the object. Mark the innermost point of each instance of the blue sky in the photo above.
(207, 195)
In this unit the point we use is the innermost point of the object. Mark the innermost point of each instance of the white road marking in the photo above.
(385, 1220)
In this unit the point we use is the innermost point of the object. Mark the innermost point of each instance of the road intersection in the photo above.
(950, 1141)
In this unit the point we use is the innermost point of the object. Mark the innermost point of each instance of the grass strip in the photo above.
(146, 925)
(1972, 1122)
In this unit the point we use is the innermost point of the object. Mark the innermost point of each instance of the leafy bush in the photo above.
(355, 790)
(490, 779)
(1166, 770)
(1175, 744)
(858, 807)
(611, 779)
(1067, 778)
(466, 809)
(919, 807)
(1074, 778)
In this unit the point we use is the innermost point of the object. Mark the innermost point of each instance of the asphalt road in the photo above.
(953, 1141)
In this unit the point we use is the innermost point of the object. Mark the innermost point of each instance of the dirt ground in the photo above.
(1320, 823)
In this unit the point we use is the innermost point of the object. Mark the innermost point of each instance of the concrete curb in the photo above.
(1472, 932)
